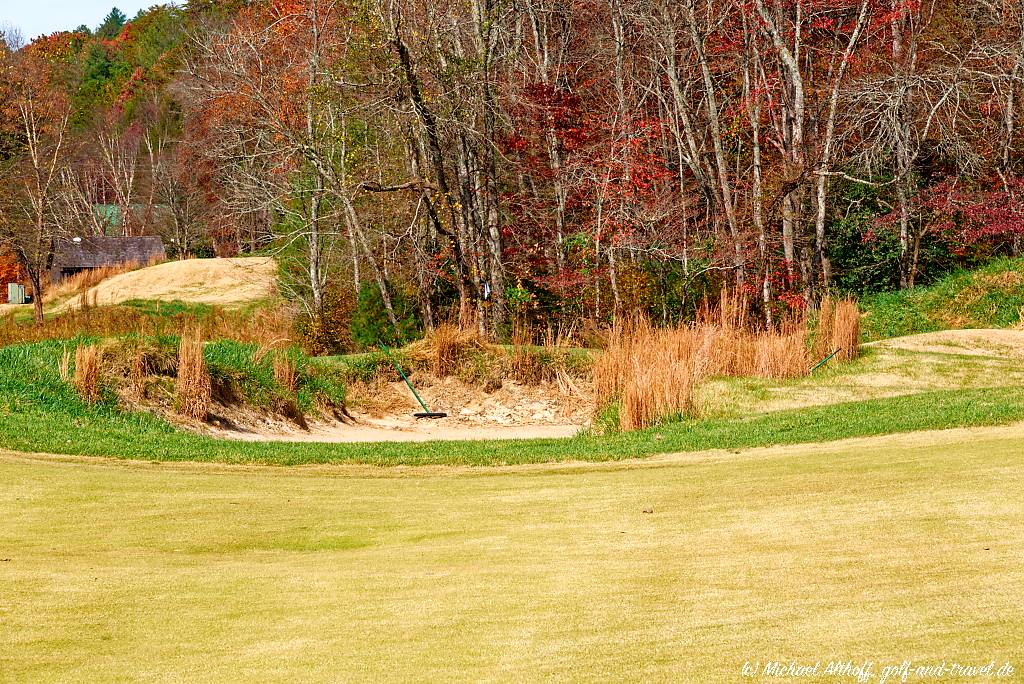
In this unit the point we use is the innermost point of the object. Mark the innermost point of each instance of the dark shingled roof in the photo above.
(99, 251)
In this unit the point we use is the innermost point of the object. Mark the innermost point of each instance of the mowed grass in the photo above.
(887, 549)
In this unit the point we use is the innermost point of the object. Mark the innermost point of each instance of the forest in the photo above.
(556, 162)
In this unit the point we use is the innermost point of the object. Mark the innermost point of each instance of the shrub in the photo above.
(370, 323)
(330, 332)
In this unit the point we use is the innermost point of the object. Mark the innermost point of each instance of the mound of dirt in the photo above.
(222, 282)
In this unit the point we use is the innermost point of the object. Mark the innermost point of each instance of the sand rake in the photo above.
(426, 413)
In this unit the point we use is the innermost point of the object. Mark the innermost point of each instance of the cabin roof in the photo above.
(98, 251)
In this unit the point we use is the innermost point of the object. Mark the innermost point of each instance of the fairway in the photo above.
(678, 568)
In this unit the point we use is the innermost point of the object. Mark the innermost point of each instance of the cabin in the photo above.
(99, 251)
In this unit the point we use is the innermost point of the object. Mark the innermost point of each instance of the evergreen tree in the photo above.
(112, 25)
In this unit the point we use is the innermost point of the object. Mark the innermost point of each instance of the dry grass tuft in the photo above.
(663, 383)
(838, 329)
(525, 362)
(193, 390)
(823, 343)
(286, 371)
(846, 329)
(654, 372)
(137, 373)
(65, 365)
(448, 346)
(87, 373)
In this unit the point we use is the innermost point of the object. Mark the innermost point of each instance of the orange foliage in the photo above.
(10, 272)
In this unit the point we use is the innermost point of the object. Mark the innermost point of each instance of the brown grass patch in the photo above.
(87, 373)
(193, 391)
(286, 371)
(654, 372)
(268, 327)
(846, 329)
(83, 281)
(64, 366)
(446, 349)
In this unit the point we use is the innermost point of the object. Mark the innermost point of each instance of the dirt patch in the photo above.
(221, 282)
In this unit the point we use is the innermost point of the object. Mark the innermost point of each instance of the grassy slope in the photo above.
(875, 551)
(39, 413)
(990, 297)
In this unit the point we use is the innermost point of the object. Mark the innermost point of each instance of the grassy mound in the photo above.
(138, 375)
(35, 416)
(990, 297)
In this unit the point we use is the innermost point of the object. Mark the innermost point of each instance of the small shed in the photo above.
(11, 273)
(99, 251)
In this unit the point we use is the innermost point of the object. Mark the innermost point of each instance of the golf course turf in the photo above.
(674, 569)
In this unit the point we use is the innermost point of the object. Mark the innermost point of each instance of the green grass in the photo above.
(102, 431)
(885, 550)
(989, 297)
(169, 309)
(30, 380)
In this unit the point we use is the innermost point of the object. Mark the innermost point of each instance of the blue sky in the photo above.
(40, 17)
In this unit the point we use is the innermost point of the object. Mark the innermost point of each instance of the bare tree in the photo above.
(31, 216)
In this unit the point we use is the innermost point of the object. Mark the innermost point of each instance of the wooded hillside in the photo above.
(555, 160)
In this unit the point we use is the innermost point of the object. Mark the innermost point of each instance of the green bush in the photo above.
(370, 323)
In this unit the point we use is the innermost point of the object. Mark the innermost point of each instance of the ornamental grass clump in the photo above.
(192, 390)
(286, 371)
(846, 329)
(653, 373)
(87, 373)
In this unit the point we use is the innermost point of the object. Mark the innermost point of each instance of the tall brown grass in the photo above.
(286, 371)
(822, 343)
(87, 372)
(267, 327)
(192, 389)
(846, 329)
(137, 373)
(448, 346)
(654, 372)
(64, 366)
(838, 329)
